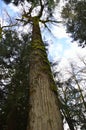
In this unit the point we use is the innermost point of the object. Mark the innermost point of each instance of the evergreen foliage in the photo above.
(71, 95)
(34, 2)
(14, 58)
(18, 81)
(74, 15)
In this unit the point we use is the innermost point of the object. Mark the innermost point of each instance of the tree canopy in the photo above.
(39, 74)
(71, 93)
(15, 61)
(14, 80)
(34, 2)
(74, 15)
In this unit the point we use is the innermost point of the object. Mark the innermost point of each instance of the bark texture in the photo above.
(44, 113)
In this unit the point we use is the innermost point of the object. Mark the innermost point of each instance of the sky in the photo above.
(60, 46)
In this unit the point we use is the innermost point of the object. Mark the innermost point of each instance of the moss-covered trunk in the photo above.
(44, 113)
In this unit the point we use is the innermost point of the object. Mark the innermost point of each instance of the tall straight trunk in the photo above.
(44, 113)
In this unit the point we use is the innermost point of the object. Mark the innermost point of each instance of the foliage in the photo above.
(45, 12)
(72, 94)
(74, 15)
(35, 2)
(14, 58)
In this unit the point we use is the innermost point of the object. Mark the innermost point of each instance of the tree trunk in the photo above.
(70, 123)
(44, 113)
(11, 122)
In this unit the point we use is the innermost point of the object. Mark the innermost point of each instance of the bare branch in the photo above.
(52, 21)
(27, 19)
(1, 28)
(42, 8)
(11, 25)
(8, 16)
(48, 29)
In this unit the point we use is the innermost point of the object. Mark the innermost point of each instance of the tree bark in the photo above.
(44, 113)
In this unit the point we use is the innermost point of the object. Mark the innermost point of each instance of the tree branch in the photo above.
(11, 25)
(41, 11)
(47, 28)
(1, 28)
(52, 21)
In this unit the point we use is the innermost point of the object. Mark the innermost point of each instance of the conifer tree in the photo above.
(44, 113)
(74, 16)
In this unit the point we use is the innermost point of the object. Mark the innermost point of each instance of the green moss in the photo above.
(40, 48)
(46, 69)
(36, 20)
(53, 87)
(43, 55)
(46, 62)
(37, 41)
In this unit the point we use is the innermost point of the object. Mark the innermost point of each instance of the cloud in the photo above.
(55, 51)
(74, 51)
(66, 51)
(59, 31)
(13, 8)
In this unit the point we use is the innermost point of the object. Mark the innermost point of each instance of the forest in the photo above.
(35, 92)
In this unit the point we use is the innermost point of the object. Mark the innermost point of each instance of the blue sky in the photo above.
(9, 8)
(60, 46)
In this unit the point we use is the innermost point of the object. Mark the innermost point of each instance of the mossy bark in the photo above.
(44, 113)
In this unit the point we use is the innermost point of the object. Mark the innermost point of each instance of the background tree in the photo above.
(74, 15)
(72, 95)
(14, 81)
